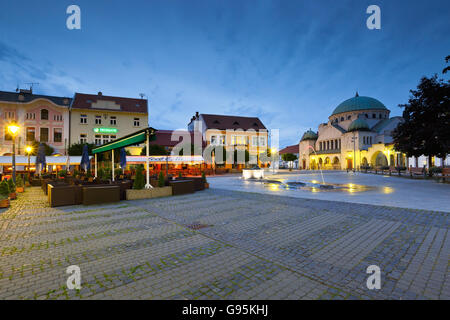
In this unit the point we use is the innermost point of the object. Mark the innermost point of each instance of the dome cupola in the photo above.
(358, 125)
(309, 135)
(359, 103)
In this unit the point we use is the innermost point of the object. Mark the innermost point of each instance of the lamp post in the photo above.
(354, 151)
(29, 149)
(13, 129)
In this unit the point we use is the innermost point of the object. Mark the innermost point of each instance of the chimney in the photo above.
(196, 115)
(100, 93)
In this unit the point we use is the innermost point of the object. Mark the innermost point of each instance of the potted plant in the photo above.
(204, 180)
(62, 174)
(4, 193)
(138, 191)
(12, 189)
(19, 184)
(27, 180)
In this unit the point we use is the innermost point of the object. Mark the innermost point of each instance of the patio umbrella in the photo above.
(85, 163)
(68, 164)
(40, 158)
(123, 158)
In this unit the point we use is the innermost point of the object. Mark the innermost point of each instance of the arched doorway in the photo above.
(336, 163)
(364, 161)
(320, 162)
(304, 164)
(379, 160)
(313, 165)
(349, 163)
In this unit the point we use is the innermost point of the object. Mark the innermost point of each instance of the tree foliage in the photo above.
(76, 149)
(4, 188)
(154, 150)
(35, 146)
(288, 157)
(426, 126)
(139, 182)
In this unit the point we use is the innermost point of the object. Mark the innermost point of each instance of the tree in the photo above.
(154, 150)
(288, 157)
(139, 182)
(161, 181)
(447, 59)
(76, 149)
(426, 126)
(4, 188)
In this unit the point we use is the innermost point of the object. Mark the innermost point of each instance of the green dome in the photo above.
(309, 135)
(359, 103)
(358, 125)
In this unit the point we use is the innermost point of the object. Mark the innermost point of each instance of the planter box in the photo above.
(206, 185)
(4, 203)
(12, 196)
(19, 189)
(133, 194)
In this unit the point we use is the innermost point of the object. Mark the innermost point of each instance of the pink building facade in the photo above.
(41, 118)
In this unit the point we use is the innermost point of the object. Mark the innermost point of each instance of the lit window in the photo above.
(83, 119)
(57, 135)
(44, 135)
(98, 139)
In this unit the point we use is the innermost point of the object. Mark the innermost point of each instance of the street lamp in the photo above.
(13, 129)
(29, 149)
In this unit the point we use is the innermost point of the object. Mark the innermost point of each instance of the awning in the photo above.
(165, 159)
(129, 140)
(50, 160)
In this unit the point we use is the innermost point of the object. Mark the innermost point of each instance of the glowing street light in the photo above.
(13, 130)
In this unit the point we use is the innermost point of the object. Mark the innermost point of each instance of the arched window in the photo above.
(44, 114)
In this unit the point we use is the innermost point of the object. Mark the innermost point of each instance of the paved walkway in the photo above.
(220, 244)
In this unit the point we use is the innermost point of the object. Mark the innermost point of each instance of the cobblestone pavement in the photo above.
(220, 244)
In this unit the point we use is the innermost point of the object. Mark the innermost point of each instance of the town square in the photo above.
(231, 154)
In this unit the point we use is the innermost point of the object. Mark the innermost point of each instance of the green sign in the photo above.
(105, 130)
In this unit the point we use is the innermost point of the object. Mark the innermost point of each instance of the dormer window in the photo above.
(235, 123)
(216, 122)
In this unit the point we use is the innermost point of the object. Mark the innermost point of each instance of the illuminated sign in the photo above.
(105, 130)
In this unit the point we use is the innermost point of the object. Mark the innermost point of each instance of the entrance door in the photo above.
(349, 164)
(304, 164)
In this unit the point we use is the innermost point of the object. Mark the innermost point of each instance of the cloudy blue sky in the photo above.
(289, 62)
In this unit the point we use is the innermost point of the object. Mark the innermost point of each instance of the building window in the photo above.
(349, 117)
(105, 139)
(136, 122)
(379, 116)
(83, 119)
(213, 139)
(57, 135)
(43, 137)
(31, 116)
(57, 117)
(374, 116)
(332, 144)
(98, 139)
(44, 114)
(113, 120)
(31, 133)
(10, 115)
(113, 138)
(98, 119)
(262, 141)
(83, 138)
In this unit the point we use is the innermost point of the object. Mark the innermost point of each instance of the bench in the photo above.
(63, 195)
(417, 171)
(182, 186)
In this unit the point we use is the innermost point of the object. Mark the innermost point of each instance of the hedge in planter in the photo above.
(19, 184)
(139, 181)
(4, 193)
(161, 181)
(11, 185)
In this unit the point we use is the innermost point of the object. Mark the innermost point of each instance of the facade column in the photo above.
(112, 163)
(95, 165)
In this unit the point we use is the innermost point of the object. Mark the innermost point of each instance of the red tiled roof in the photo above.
(290, 149)
(215, 121)
(84, 101)
(163, 138)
